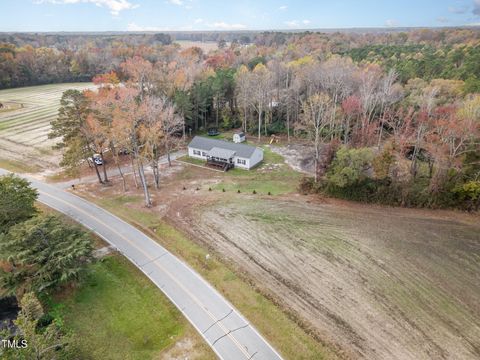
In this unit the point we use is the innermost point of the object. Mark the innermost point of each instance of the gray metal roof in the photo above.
(206, 144)
(221, 153)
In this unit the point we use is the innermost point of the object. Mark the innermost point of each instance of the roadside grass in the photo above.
(278, 327)
(117, 313)
(59, 176)
(18, 166)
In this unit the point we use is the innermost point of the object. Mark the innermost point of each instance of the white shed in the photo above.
(239, 137)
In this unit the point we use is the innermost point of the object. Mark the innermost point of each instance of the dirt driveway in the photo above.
(380, 283)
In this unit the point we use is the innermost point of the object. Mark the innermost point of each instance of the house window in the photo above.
(241, 161)
(204, 153)
(197, 152)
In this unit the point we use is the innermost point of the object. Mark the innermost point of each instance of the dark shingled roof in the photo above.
(221, 153)
(206, 144)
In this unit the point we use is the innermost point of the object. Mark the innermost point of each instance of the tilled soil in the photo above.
(24, 130)
(380, 283)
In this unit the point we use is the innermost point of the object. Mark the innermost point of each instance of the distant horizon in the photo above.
(380, 29)
(246, 15)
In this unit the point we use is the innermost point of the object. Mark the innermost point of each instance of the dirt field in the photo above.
(381, 283)
(24, 129)
(206, 46)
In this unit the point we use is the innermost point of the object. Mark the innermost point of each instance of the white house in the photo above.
(239, 137)
(225, 154)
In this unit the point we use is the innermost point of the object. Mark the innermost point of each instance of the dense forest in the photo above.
(392, 117)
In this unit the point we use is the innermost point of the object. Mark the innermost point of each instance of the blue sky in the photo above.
(163, 15)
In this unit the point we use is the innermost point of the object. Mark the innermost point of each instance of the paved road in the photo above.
(228, 333)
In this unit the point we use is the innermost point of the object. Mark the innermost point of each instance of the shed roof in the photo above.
(206, 144)
(221, 153)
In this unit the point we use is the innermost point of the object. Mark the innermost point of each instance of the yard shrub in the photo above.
(470, 194)
(350, 167)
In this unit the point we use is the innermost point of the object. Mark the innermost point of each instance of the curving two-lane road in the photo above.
(227, 332)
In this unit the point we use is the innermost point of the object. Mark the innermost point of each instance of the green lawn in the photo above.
(117, 313)
(272, 175)
(191, 160)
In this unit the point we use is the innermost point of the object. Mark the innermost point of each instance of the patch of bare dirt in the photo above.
(299, 157)
(187, 348)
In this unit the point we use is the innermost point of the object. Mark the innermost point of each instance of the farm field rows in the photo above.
(24, 131)
(381, 283)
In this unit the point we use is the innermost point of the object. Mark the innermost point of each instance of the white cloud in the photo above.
(134, 27)
(391, 23)
(221, 25)
(198, 21)
(458, 10)
(295, 24)
(442, 20)
(283, 8)
(115, 6)
(292, 23)
(183, 3)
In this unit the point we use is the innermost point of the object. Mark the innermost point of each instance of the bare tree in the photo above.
(260, 85)
(388, 95)
(242, 89)
(316, 112)
(336, 77)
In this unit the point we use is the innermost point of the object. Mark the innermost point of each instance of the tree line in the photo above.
(32, 59)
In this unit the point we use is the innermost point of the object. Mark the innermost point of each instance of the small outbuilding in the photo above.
(239, 137)
(224, 154)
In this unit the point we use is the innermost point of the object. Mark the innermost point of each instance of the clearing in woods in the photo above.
(24, 129)
(381, 283)
(204, 45)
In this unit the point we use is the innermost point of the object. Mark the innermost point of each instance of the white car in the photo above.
(97, 159)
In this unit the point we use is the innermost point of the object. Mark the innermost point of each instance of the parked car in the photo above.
(97, 159)
(213, 132)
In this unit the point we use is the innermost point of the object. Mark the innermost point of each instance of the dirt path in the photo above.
(382, 283)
